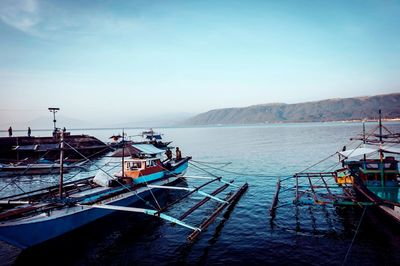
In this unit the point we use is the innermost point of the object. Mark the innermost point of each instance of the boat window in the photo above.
(134, 165)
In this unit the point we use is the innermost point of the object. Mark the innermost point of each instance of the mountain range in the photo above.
(339, 109)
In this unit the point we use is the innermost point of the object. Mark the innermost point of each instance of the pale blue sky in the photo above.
(127, 60)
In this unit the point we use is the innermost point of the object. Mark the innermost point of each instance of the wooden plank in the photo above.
(327, 188)
(313, 191)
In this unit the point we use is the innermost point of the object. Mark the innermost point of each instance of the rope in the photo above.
(123, 185)
(311, 166)
(354, 237)
(12, 181)
(151, 192)
(237, 173)
(196, 161)
(201, 169)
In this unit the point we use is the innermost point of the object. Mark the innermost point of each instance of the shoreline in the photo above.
(213, 125)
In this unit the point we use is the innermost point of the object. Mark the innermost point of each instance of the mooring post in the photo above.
(276, 198)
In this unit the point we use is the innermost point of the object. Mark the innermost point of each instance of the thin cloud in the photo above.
(56, 22)
(22, 15)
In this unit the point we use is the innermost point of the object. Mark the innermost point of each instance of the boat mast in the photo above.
(60, 185)
(123, 153)
(365, 157)
(380, 149)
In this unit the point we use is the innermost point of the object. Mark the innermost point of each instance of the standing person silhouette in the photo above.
(10, 131)
(168, 153)
(29, 131)
(178, 154)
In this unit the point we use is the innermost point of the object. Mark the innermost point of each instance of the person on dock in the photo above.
(29, 131)
(10, 131)
(178, 154)
(168, 153)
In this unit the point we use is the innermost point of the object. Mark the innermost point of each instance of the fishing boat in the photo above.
(34, 217)
(369, 176)
(375, 179)
(142, 163)
(155, 138)
(149, 137)
(13, 149)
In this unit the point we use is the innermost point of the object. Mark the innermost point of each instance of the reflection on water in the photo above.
(246, 234)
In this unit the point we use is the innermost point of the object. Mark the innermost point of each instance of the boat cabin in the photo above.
(375, 173)
(136, 167)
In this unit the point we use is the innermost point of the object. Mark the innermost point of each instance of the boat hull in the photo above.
(27, 233)
(178, 170)
(387, 208)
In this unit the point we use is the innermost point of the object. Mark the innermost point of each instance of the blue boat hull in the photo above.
(179, 170)
(27, 234)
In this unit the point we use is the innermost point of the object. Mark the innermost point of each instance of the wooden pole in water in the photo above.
(60, 185)
(297, 188)
(276, 198)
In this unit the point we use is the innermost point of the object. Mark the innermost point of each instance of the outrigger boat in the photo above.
(34, 217)
(364, 182)
(155, 138)
(375, 180)
(143, 163)
(149, 136)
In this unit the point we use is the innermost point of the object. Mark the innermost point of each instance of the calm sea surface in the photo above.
(258, 154)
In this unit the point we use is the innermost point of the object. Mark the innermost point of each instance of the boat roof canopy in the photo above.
(368, 150)
(124, 152)
(357, 152)
(391, 149)
(147, 149)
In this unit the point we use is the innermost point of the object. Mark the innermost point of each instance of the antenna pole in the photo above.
(54, 111)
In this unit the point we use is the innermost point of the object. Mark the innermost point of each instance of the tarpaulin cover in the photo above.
(147, 149)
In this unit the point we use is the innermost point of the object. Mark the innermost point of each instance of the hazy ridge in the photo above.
(319, 111)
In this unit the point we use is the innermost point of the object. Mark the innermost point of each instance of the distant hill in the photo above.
(320, 111)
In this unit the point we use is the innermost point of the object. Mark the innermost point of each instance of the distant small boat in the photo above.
(150, 137)
(155, 138)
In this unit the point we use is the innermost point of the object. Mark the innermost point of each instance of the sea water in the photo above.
(257, 155)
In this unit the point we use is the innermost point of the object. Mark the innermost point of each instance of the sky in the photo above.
(110, 62)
